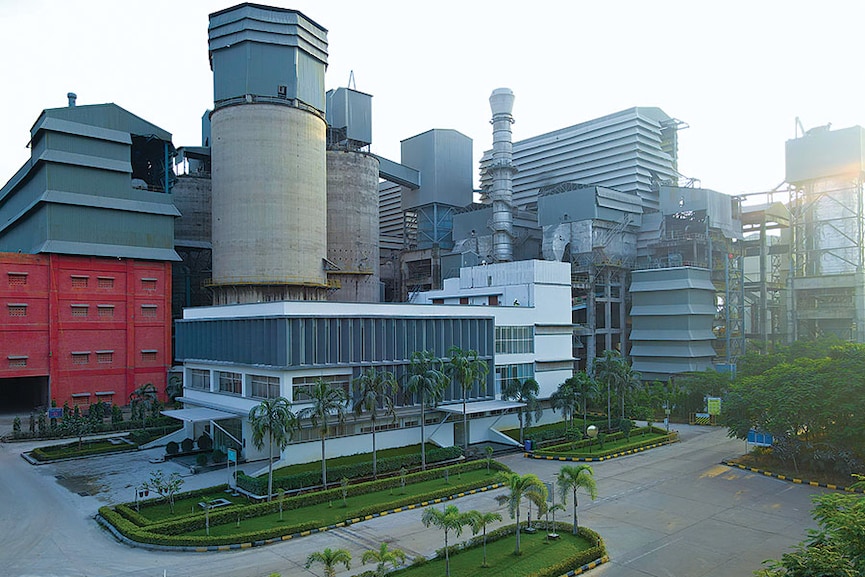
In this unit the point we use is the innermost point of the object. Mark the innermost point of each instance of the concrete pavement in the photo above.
(669, 512)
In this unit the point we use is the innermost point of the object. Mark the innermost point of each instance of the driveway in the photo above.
(668, 512)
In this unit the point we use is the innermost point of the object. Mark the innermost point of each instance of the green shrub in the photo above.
(218, 456)
(204, 442)
(186, 444)
(172, 448)
(201, 459)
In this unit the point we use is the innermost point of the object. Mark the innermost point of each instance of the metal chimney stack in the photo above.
(72, 97)
(502, 170)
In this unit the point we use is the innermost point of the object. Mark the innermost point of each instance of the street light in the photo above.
(592, 432)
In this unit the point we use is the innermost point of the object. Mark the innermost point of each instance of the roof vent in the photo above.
(71, 96)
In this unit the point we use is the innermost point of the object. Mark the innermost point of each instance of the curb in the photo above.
(234, 546)
(793, 479)
(604, 458)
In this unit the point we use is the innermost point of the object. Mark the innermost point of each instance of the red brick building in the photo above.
(82, 329)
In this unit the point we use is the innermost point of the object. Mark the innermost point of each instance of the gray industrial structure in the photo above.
(309, 213)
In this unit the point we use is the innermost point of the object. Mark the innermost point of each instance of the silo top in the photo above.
(267, 52)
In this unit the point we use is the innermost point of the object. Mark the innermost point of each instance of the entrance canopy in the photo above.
(199, 414)
(480, 407)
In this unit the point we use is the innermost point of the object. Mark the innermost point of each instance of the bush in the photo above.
(172, 448)
(201, 459)
(186, 445)
(204, 443)
(218, 456)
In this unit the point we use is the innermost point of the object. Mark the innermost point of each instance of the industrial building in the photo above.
(86, 246)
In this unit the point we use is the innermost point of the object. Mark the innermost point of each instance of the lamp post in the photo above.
(592, 432)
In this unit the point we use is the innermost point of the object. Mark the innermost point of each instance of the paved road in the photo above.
(668, 512)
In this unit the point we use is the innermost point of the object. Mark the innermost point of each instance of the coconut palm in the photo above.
(384, 557)
(326, 400)
(479, 522)
(520, 487)
(628, 381)
(330, 558)
(608, 371)
(573, 477)
(428, 382)
(373, 393)
(567, 400)
(524, 392)
(449, 519)
(587, 390)
(272, 420)
(466, 368)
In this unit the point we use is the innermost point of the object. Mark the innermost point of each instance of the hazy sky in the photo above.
(737, 72)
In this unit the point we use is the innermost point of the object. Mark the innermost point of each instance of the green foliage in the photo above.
(384, 557)
(272, 421)
(327, 400)
(570, 478)
(524, 392)
(187, 445)
(16, 425)
(204, 442)
(520, 487)
(466, 368)
(374, 392)
(201, 459)
(218, 456)
(427, 380)
(172, 448)
(330, 558)
(613, 372)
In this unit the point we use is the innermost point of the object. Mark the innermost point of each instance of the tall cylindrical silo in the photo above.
(352, 225)
(268, 137)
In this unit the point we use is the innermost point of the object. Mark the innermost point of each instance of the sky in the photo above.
(738, 73)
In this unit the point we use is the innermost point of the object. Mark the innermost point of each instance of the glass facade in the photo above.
(515, 340)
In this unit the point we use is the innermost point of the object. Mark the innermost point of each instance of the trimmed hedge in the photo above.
(308, 479)
(166, 424)
(172, 532)
(566, 448)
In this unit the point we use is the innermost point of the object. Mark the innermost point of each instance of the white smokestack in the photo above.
(502, 170)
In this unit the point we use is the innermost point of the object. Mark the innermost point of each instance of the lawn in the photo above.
(334, 512)
(583, 449)
(315, 466)
(536, 553)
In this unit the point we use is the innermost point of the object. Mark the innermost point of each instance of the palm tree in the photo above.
(520, 487)
(571, 478)
(479, 522)
(449, 519)
(524, 392)
(466, 368)
(143, 398)
(428, 381)
(384, 557)
(374, 392)
(608, 371)
(330, 558)
(629, 381)
(587, 390)
(567, 400)
(326, 400)
(273, 420)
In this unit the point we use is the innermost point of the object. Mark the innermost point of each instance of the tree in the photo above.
(520, 487)
(629, 381)
(326, 400)
(384, 557)
(165, 487)
(449, 519)
(524, 392)
(567, 400)
(466, 368)
(837, 549)
(330, 558)
(573, 477)
(479, 522)
(77, 426)
(142, 399)
(174, 387)
(374, 393)
(608, 371)
(272, 420)
(428, 381)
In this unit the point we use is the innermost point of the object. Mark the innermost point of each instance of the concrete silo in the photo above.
(268, 137)
(352, 199)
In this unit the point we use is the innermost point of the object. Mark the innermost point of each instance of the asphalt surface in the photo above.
(673, 511)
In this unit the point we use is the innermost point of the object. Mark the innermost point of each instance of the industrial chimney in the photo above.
(502, 170)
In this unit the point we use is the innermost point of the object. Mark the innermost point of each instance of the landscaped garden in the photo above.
(606, 445)
(92, 447)
(193, 521)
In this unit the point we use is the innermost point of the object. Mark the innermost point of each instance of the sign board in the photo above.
(232, 455)
(714, 405)
(759, 439)
(55, 413)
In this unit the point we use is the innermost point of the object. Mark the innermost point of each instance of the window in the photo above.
(17, 361)
(80, 310)
(80, 281)
(301, 386)
(505, 373)
(264, 387)
(17, 309)
(230, 383)
(105, 311)
(148, 356)
(80, 399)
(515, 340)
(17, 278)
(105, 282)
(104, 357)
(199, 379)
(148, 311)
(81, 358)
(148, 284)
(106, 397)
